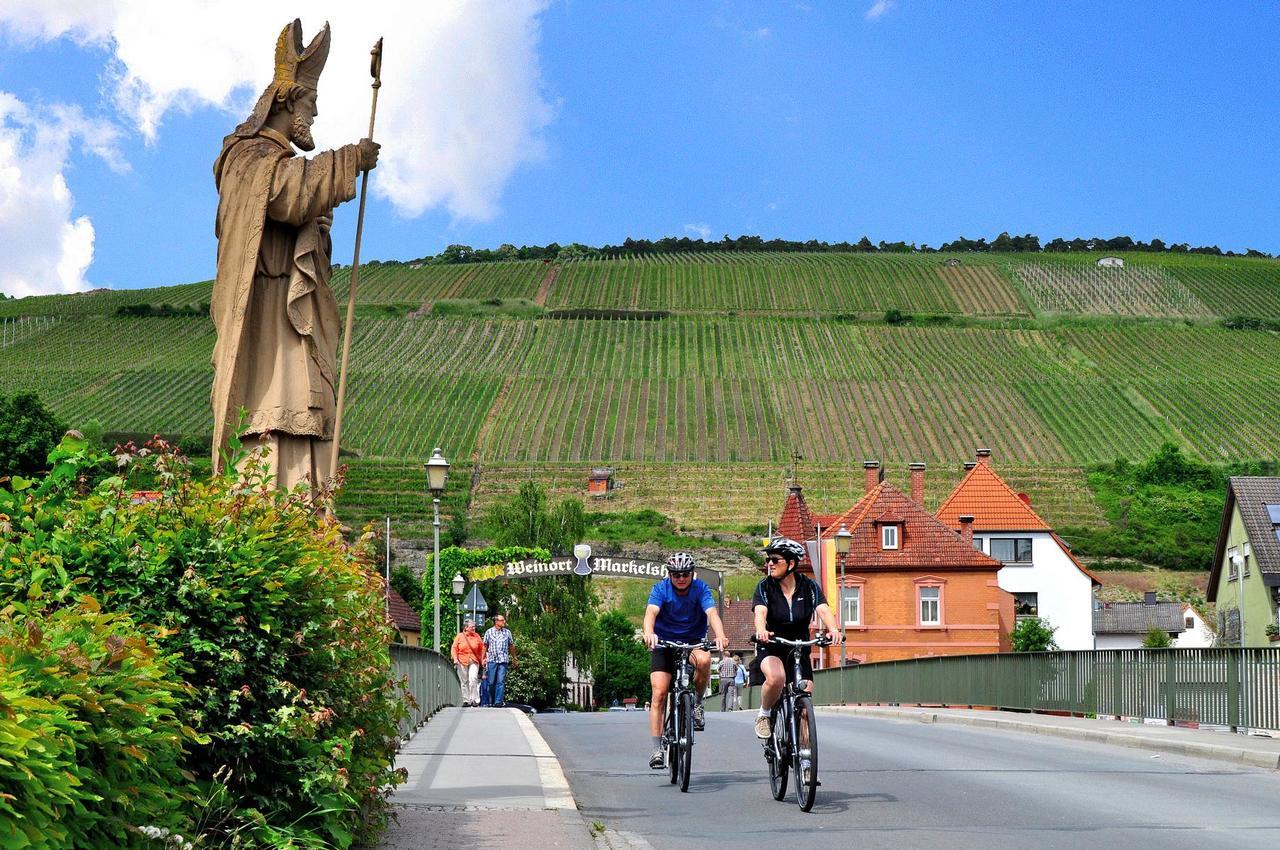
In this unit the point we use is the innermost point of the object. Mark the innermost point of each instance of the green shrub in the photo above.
(1033, 634)
(1156, 638)
(277, 623)
(90, 737)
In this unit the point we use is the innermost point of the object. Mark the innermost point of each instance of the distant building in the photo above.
(1111, 263)
(910, 587)
(600, 481)
(1199, 634)
(404, 618)
(1045, 578)
(1245, 578)
(1124, 625)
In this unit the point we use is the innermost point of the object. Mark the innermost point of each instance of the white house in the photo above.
(1044, 577)
(1111, 263)
(1198, 635)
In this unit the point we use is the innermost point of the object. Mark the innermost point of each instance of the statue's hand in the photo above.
(368, 154)
(324, 222)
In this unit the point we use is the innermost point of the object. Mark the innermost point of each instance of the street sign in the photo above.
(475, 601)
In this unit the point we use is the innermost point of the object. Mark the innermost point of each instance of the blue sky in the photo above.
(531, 122)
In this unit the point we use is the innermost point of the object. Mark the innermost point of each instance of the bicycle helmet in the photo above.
(787, 548)
(680, 563)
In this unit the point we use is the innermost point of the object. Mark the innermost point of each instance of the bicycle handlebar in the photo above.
(820, 640)
(671, 644)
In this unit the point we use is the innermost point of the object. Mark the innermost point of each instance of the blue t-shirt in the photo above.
(681, 618)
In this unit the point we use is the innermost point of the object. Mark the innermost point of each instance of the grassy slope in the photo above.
(700, 412)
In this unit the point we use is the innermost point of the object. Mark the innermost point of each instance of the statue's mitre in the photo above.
(296, 65)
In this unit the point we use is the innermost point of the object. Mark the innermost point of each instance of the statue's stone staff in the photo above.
(375, 70)
(274, 312)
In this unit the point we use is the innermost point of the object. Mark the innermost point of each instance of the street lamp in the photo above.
(437, 473)
(844, 542)
(459, 585)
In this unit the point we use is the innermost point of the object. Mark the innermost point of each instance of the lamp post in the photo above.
(437, 473)
(459, 585)
(844, 542)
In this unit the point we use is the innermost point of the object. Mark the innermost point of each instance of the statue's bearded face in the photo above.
(304, 115)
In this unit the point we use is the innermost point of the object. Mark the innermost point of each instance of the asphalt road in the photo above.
(901, 784)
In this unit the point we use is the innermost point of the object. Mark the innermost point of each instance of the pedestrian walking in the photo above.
(740, 677)
(468, 657)
(499, 645)
(728, 687)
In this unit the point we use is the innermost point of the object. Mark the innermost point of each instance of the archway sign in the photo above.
(581, 563)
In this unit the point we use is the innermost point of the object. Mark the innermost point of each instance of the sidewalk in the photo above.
(483, 777)
(1249, 750)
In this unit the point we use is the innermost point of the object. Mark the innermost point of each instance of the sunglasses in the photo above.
(774, 559)
(682, 575)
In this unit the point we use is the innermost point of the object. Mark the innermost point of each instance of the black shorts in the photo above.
(662, 660)
(783, 653)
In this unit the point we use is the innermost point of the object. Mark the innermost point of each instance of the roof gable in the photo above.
(991, 502)
(797, 520)
(1249, 494)
(405, 618)
(925, 542)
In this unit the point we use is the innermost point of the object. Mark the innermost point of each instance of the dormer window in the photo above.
(888, 537)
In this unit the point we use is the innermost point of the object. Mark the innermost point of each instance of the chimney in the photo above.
(871, 475)
(917, 483)
(984, 456)
(1149, 598)
(969, 464)
(966, 530)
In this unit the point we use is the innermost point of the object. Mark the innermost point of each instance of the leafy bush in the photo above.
(90, 738)
(1156, 638)
(276, 623)
(28, 431)
(1033, 634)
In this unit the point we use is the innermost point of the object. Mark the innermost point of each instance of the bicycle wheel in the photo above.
(805, 749)
(673, 738)
(686, 738)
(777, 756)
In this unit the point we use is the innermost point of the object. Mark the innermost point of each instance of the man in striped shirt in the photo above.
(499, 646)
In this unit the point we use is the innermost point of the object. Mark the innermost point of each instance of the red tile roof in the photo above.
(739, 624)
(992, 503)
(924, 541)
(405, 618)
(797, 522)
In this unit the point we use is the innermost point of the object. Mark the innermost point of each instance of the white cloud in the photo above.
(460, 108)
(879, 8)
(702, 231)
(46, 248)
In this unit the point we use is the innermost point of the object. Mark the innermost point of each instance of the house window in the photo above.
(889, 537)
(1232, 570)
(1191, 623)
(980, 543)
(1026, 606)
(1273, 511)
(851, 605)
(1244, 549)
(930, 606)
(1011, 550)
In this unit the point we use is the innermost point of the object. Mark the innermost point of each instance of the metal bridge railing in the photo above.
(1238, 688)
(431, 680)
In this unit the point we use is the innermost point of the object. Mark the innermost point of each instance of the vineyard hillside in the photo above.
(699, 377)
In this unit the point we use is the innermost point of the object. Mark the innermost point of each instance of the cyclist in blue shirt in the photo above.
(680, 608)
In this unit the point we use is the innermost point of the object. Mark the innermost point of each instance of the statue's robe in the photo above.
(275, 315)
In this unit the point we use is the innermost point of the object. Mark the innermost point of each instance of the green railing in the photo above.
(1239, 688)
(431, 680)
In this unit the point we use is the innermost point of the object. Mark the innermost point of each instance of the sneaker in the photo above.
(806, 771)
(658, 760)
(699, 719)
(763, 727)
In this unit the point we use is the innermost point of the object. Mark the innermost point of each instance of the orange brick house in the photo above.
(910, 587)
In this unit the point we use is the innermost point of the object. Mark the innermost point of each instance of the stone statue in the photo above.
(275, 315)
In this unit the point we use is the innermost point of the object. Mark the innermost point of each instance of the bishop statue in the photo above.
(275, 315)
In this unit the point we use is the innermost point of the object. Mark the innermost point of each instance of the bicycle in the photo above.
(793, 743)
(677, 733)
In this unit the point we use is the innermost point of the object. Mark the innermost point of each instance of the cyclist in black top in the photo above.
(784, 603)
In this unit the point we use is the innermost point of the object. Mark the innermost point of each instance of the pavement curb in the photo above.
(556, 793)
(1198, 749)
